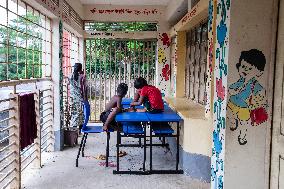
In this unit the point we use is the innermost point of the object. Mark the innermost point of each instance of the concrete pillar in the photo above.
(243, 72)
(181, 62)
(58, 133)
(163, 61)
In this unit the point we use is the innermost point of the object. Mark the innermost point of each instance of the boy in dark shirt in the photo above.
(149, 96)
(113, 107)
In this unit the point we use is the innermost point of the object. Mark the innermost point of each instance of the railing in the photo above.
(13, 161)
(46, 119)
(9, 145)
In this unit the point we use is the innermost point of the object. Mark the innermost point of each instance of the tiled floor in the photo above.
(59, 171)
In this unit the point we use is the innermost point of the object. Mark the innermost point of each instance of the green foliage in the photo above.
(24, 60)
(109, 58)
(121, 26)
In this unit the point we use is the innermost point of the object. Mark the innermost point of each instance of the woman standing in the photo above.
(79, 94)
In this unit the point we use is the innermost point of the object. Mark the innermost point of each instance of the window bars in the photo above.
(110, 62)
(25, 42)
(195, 72)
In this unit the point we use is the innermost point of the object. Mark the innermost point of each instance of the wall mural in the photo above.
(126, 11)
(162, 59)
(166, 72)
(210, 54)
(165, 39)
(173, 67)
(164, 63)
(220, 84)
(247, 104)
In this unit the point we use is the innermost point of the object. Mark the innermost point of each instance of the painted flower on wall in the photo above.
(162, 59)
(165, 39)
(221, 33)
(211, 48)
(166, 72)
(220, 89)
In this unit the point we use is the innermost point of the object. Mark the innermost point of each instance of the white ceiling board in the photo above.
(127, 2)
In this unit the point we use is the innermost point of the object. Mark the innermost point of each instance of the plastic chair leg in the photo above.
(83, 154)
(78, 155)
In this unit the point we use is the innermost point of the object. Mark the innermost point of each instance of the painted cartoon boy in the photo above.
(247, 96)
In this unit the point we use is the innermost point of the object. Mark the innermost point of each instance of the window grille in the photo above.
(25, 41)
(196, 62)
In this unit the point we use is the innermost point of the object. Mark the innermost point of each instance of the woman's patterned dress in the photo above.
(77, 118)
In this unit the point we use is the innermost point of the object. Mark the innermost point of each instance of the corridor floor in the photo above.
(59, 171)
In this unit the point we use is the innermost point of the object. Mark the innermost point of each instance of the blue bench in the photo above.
(162, 129)
(132, 128)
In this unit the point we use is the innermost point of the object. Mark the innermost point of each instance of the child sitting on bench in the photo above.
(113, 107)
(149, 96)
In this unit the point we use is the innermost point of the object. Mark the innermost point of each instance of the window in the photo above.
(25, 42)
(70, 51)
(120, 26)
(70, 57)
(195, 72)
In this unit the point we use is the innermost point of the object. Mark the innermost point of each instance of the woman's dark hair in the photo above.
(122, 89)
(77, 70)
(140, 82)
(254, 57)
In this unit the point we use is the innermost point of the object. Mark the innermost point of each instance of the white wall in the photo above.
(246, 165)
(119, 13)
(56, 84)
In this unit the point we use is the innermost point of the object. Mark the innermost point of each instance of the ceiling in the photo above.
(127, 2)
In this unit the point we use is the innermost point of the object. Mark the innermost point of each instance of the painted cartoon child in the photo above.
(247, 96)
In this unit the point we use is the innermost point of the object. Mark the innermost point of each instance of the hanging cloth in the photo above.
(28, 128)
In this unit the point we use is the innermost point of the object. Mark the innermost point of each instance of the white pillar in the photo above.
(58, 133)
(163, 59)
(243, 90)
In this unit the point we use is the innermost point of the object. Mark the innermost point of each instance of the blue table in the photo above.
(125, 106)
(126, 101)
(167, 116)
(131, 117)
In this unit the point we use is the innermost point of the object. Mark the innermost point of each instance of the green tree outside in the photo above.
(24, 60)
